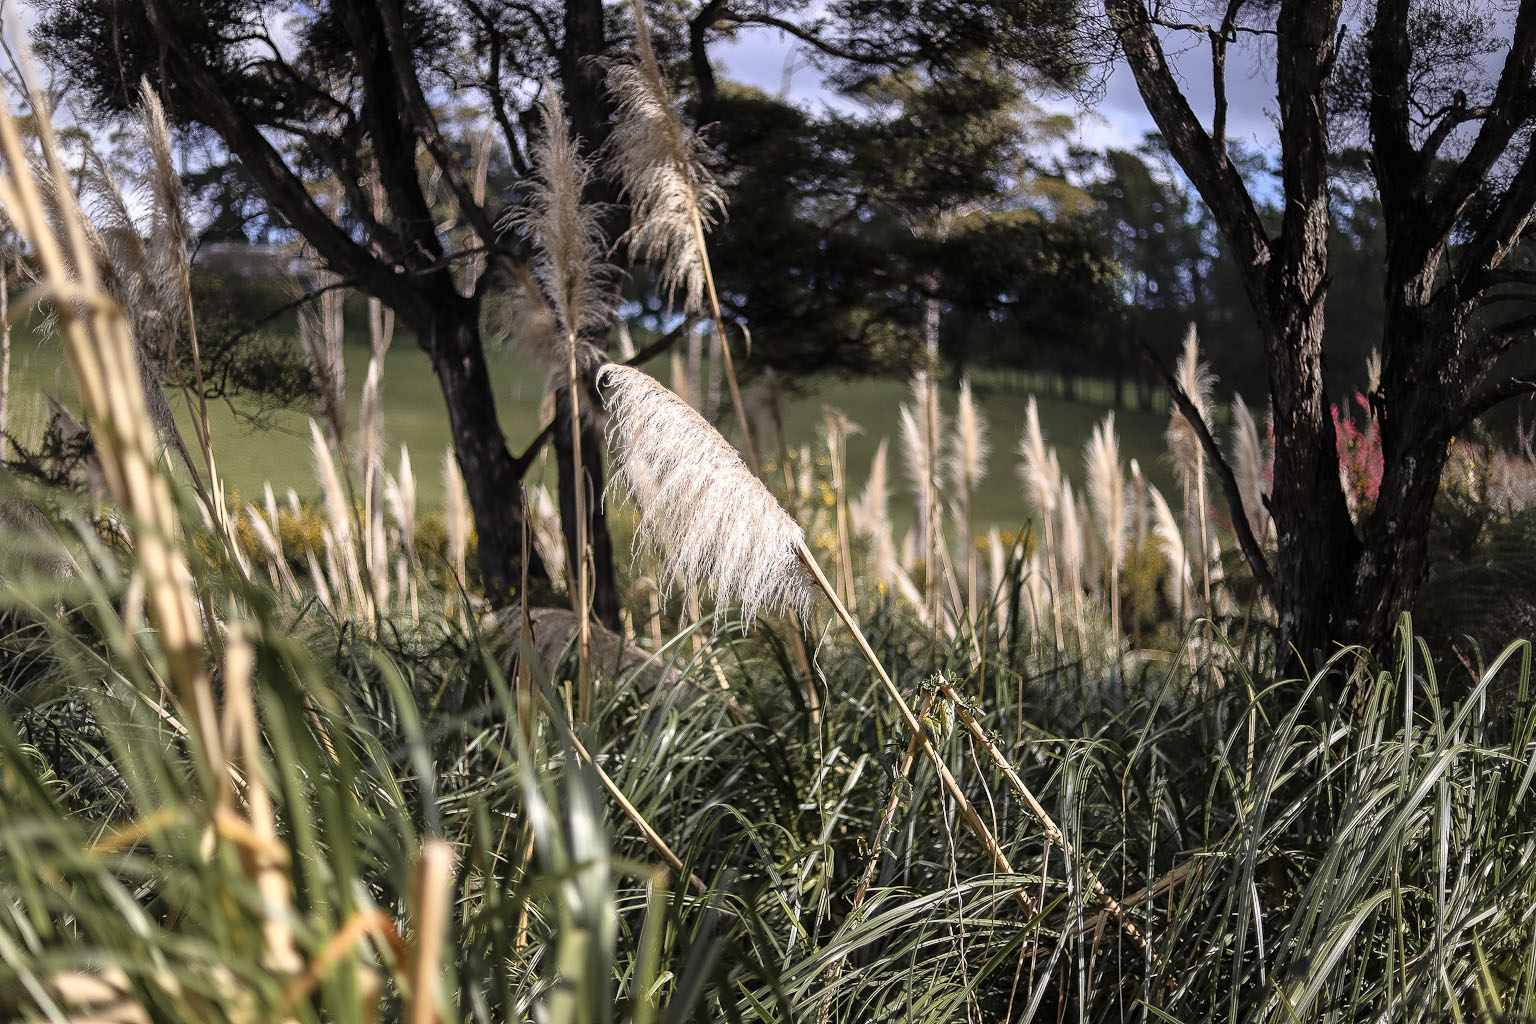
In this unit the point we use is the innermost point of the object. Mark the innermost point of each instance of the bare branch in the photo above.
(1216, 179)
(1253, 554)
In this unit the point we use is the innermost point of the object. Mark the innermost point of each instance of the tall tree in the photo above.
(341, 94)
(352, 91)
(1451, 156)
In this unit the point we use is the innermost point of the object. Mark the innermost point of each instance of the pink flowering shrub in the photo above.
(1360, 460)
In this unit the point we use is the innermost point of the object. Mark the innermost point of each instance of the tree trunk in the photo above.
(492, 476)
(605, 591)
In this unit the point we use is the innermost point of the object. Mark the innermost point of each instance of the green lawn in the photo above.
(414, 416)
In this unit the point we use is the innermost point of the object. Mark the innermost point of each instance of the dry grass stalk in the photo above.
(265, 860)
(569, 264)
(1041, 476)
(1106, 488)
(968, 467)
(432, 899)
(661, 168)
(1184, 447)
(105, 365)
(717, 526)
(1038, 811)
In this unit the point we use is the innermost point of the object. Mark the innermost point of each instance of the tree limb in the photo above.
(1216, 179)
(1253, 553)
(646, 354)
(1514, 387)
(282, 187)
(1508, 113)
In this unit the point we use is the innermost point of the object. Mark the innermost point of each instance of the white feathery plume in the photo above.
(569, 262)
(1106, 488)
(168, 226)
(1184, 447)
(967, 466)
(871, 511)
(1070, 554)
(400, 494)
(269, 546)
(569, 245)
(718, 526)
(1188, 454)
(805, 476)
(627, 348)
(1138, 499)
(968, 454)
(341, 551)
(1248, 467)
(317, 577)
(871, 514)
(712, 523)
(914, 448)
(544, 517)
(1041, 477)
(661, 170)
(1165, 525)
(1040, 484)
(920, 454)
(535, 331)
(1071, 540)
(455, 513)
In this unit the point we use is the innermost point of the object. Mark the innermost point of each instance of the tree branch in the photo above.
(420, 112)
(1216, 179)
(1399, 169)
(282, 187)
(1253, 553)
(1508, 113)
(646, 354)
(1514, 387)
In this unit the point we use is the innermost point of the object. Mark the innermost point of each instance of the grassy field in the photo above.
(414, 416)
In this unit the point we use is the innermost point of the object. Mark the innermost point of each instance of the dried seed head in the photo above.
(712, 523)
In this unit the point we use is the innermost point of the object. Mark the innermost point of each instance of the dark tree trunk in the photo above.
(493, 478)
(605, 591)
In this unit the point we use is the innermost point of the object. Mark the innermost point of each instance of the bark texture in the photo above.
(1335, 580)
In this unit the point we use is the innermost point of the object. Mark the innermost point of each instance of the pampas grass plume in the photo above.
(661, 170)
(712, 523)
(455, 512)
(568, 259)
(1166, 526)
(1248, 466)
(968, 455)
(1041, 483)
(1106, 490)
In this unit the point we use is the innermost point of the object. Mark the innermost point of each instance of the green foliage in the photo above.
(841, 229)
(1290, 857)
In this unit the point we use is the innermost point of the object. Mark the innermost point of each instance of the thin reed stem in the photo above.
(630, 811)
(1052, 832)
(968, 812)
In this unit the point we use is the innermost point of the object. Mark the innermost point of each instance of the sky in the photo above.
(768, 58)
